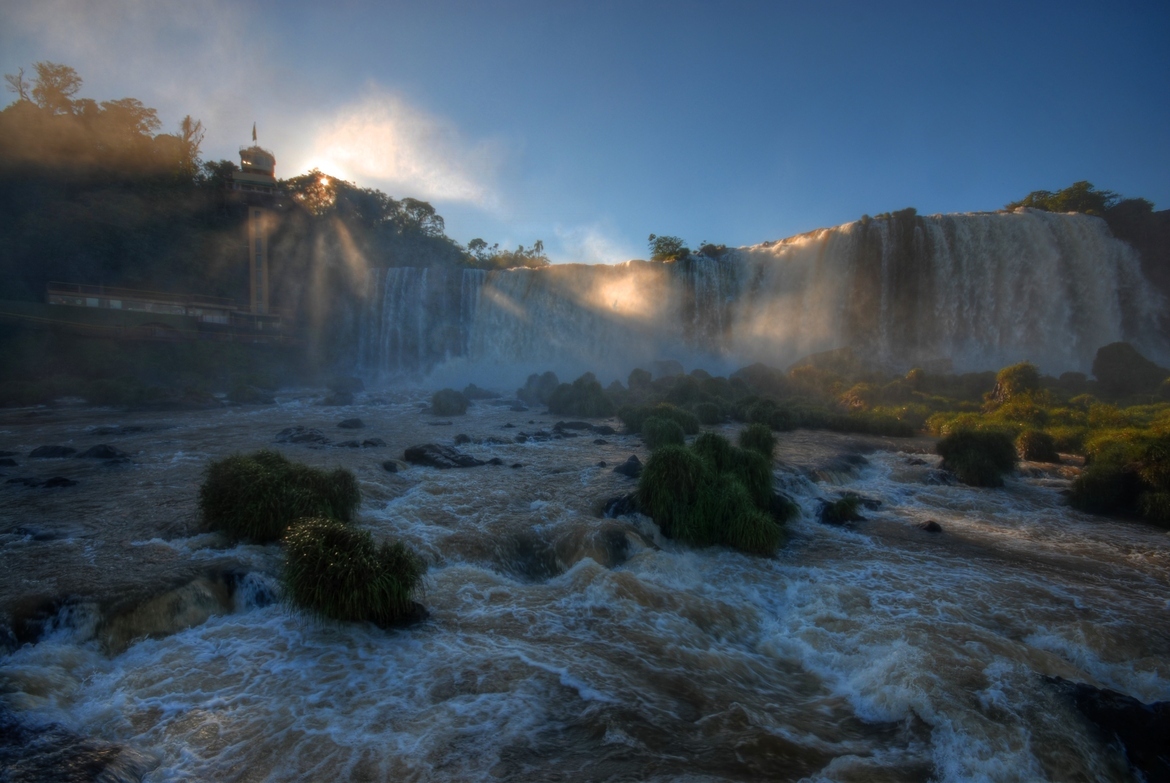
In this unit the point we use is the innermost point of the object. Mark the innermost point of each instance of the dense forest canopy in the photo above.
(93, 193)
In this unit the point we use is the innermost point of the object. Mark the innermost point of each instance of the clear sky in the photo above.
(592, 124)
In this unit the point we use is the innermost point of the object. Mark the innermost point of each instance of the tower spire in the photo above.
(253, 131)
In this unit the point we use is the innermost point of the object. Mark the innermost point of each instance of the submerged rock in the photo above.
(1141, 729)
(52, 452)
(621, 505)
(350, 424)
(337, 398)
(473, 392)
(7, 462)
(930, 526)
(436, 456)
(103, 451)
(390, 466)
(572, 425)
(373, 443)
(631, 467)
(52, 752)
(603, 429)
(301, 434)
(462, 438)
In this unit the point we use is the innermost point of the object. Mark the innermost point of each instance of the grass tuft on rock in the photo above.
(661, 432)
(336, 572)
(257, 496)
(842, 510)
(583, 397)
(979, 458)
(713, 493)
(708, 413)
(758, 438)
(1037, 446)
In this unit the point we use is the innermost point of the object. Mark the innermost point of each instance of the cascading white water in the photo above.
(978, 290)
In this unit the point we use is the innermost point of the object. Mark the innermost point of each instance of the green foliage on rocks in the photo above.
(336, 572)
(634, 417)
(758, 437)
(1127, 473)
(257, 496)
(583, 397)
(1037, 446)
(448, 402)
(658, 432)
(714, 493)
(978, 457)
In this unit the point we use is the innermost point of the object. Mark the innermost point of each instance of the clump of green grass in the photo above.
(669, 486)
(336, 572)
(661, 432)
(257, 496)
(634, 417)
(1037, 446)
(978, 457)
(582, 397)
(448, 402)
(713, 493)
(759, 438)
(708, 413)
(1126, 473)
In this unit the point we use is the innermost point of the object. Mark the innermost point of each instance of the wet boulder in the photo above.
(462, 438)
(435, 456)
(632, 467)
(350, 424)
(373, 443)
(58, 481)
(603, 429)
(7, 462)
(301, 434)
(51, 452)
(930, 526)
(473, 392)
(1121, 369)
(337, 398)
(572, 425)
(1140, 729)
(104, 451)
(621, 505)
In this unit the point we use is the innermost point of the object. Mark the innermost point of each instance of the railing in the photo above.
(108, 292)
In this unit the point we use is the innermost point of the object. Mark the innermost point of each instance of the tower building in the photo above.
(255, 185)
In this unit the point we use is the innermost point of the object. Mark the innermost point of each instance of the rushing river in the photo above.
(565, 646)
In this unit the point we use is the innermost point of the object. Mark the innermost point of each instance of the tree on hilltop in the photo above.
(1084, 198)
(667, 248)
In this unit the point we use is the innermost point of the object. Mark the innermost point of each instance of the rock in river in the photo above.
(436, 456)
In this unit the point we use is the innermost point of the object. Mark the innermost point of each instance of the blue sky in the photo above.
(590, 125)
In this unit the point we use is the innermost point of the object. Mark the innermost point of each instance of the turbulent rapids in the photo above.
(562, 645)
(972, 291)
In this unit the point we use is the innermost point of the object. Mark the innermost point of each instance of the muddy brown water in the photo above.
(564, 646)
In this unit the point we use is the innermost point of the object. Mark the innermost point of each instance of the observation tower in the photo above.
(255, 185)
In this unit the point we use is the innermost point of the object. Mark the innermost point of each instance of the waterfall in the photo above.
(975, 291)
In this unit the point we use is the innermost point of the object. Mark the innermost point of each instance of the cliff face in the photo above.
(1149, 234)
